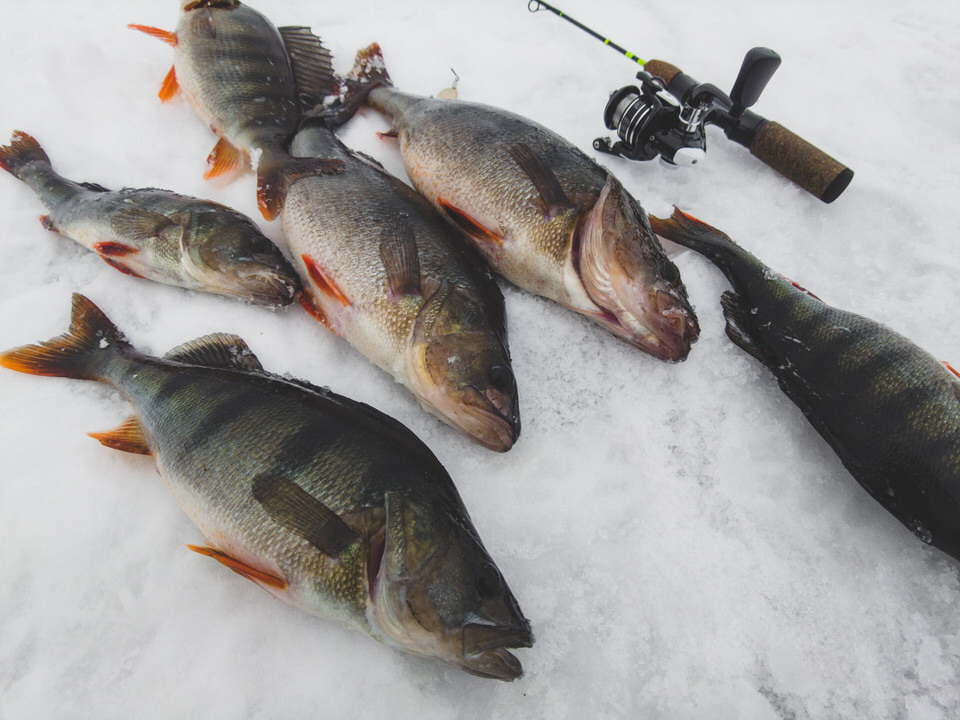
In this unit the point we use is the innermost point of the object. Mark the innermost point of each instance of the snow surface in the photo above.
(684, 543)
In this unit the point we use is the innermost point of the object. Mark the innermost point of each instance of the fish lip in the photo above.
(491, 658)
(501, 429)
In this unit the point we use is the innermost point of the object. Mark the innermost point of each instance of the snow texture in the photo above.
(684, 543)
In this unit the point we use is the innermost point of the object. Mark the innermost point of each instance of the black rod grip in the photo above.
(799, 161)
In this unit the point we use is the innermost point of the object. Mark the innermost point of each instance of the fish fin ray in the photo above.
(94, 187)
(298, 511)
(398, 251)
(223, 159)
(241, 568)
(126, 437)
(467, 224)
(22, 150)
(121, 267)
(312, 65)
(219, 350)
(553, 199)
(140, 223)
(170, 87)
(323, 281)
(308, 304)
(166, 36)
(739, 321)
(48, 223)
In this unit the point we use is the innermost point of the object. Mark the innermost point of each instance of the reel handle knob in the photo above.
(759, 65)
(797, 160)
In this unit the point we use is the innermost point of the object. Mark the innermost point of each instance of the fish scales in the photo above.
(889, 409)
(323, 501)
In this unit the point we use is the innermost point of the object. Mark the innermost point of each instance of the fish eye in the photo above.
(489, 582)
(669, 272)
(501, 377)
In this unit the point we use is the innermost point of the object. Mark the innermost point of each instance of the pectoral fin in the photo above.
(553, 199)
(126, 437)
(398, 251)
(239, 567)
(140, 224)
(299, 512)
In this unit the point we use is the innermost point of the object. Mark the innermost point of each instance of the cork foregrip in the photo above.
(795, 158)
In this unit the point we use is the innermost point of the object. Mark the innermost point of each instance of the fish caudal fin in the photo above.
(78, 353)
(686, 230)
(21, 151)
(277, 172)
(369, 72)
(369, 67)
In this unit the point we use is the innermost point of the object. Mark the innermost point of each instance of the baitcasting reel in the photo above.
(667, 114)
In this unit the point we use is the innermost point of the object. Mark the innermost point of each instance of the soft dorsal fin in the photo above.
(217, 350)
(398, 250)
(553, 199)
(312, 65)
(294, 508)
(94, 187)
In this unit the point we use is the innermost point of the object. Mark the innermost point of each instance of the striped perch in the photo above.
(889, 409)
(324, 502)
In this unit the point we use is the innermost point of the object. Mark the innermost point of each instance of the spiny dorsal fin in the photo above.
(312, 65)
(398, 250)
(294, 508)
(217, 350)
(139, 224)
(553, 199)
(127, 436)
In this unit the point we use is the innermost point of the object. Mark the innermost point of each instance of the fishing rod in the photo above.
(667, 115)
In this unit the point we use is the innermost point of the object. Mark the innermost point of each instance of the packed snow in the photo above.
(684, 543)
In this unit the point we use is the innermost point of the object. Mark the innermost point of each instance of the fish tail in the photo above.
(368, 73)
(22, 151)
(695, 234)
(79, 353)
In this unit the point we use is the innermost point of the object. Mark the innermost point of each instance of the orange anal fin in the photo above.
(170, 87)
(323, 282)
(222, 159)
(127, 437)
(47, 223)
(168, 37)
(471, 227)
(241, 568)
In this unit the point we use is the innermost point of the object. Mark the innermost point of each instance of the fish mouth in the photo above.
(486, 650)
(490, 418)
(268, 285)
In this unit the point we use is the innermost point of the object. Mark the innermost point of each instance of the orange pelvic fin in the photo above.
(168, 37)
(170, 87)
(241, 568)
(224, 158)
(323, 281)
(471, 227)
(311, 307)
(126, 437)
